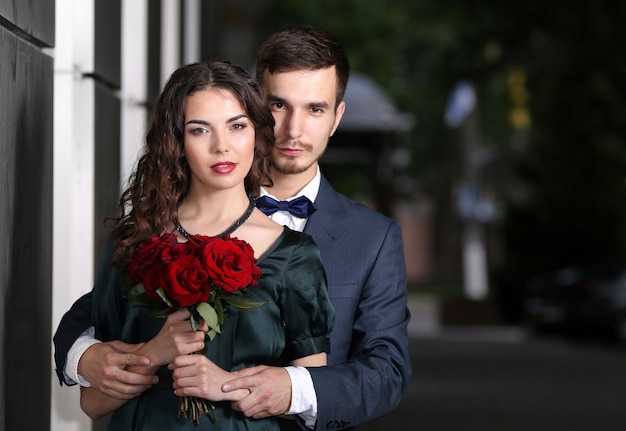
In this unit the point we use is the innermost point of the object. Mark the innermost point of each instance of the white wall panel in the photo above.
(73, 269)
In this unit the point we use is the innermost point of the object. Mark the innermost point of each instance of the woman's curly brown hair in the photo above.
(149, 205)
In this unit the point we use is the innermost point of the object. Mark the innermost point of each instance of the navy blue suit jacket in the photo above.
(369, 365)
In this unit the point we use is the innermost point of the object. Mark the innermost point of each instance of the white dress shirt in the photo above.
(303, 397)
(286, 218)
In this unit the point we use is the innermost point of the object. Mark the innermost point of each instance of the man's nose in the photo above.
(293, 125)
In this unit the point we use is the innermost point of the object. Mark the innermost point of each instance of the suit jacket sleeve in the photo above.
(73, 323)
(373, 379)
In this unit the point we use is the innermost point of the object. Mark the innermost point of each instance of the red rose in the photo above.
(231, 264)
(152, 280)
(150, 251)
(187, 272)
(198, 242)
(147, 255)
(186, 281)
(175, 252)
(136, 271)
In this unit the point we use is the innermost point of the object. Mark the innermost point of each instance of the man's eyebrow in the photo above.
(274, 98)
(319, 105)
(316, 105)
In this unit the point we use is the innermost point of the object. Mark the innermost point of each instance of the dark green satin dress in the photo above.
(295, 321)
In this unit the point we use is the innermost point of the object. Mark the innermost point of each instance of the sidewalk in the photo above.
(424, 316)
(426, 323)
(475, 377)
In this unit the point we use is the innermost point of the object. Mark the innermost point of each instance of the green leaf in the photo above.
(219, 308)
(137, 294)
(137, 289)
(165, 298)
(209, 314)
(195, 321)
(161, 313)
(211, 334)
(243, 305)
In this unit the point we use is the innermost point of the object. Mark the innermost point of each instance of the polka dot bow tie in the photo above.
(300, 207)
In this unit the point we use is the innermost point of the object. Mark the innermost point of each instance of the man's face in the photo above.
(303, 106)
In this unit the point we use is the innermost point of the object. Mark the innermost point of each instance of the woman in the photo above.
(204, 157)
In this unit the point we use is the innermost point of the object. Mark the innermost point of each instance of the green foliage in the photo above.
(241, 304)
(562, 182)
(209, 315)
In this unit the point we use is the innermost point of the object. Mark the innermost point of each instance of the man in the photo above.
(304, 73)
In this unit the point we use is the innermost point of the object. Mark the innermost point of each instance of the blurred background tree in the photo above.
(550, 79)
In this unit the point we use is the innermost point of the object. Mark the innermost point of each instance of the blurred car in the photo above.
(581, 303)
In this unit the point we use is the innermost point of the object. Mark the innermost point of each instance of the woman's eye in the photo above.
(199, 130)
(238, 126)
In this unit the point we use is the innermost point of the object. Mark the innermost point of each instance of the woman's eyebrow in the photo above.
(206, 123)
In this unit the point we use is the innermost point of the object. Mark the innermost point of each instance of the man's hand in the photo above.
(103, 366)
(270, 391)
(198, 376)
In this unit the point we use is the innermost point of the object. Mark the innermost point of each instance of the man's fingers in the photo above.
(233, 385)
(127, 385)
(261, 415)
(243, 382)
(123, 354)
(132, 359)
(122, 347)
(250, 371)
(116, 359)
(136, 379)
(270, 392)
(251, 407)
(124, 392)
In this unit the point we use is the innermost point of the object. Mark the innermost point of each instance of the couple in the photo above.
(303, 73)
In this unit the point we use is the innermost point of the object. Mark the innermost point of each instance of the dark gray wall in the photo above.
(26, 83)
(32, 20)
(107, 156)
(107, 79)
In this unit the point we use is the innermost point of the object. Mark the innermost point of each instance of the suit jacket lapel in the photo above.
(323, 225)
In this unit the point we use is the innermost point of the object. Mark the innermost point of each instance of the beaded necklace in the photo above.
(232, 227)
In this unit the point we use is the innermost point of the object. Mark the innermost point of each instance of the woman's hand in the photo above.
(197, 376)
(175, 338)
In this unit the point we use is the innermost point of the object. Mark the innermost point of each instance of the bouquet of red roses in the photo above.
(204, 275)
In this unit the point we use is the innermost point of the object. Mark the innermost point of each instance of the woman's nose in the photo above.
(219, 144)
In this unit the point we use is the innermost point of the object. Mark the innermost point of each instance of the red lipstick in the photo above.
(223, 167)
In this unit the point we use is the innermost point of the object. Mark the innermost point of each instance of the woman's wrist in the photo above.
(151, 352)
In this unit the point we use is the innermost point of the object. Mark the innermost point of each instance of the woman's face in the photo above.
(219, 139)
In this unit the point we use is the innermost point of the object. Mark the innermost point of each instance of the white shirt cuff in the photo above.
(303, 397)
(82, 343)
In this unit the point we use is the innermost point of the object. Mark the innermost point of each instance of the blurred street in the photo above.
(502, 379)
